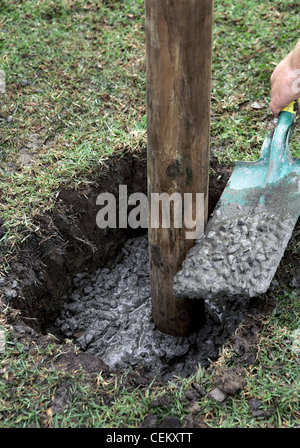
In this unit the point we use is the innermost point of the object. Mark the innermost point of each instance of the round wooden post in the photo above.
(179, 48)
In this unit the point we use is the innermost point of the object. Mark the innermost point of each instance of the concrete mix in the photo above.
(109, 315)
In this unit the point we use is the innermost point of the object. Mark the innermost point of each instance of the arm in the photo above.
(285, 81)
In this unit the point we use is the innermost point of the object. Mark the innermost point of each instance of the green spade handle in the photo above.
(279, 157)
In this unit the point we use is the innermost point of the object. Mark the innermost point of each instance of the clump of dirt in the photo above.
(69, 360)
(230, 380)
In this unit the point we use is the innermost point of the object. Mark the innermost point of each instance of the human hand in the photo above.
(285, 81)
(285, 85)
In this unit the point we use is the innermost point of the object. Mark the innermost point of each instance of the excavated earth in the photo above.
(76, 281)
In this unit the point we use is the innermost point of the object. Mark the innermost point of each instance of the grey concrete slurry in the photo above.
(109, 315)
(243, 242)
(236, 257)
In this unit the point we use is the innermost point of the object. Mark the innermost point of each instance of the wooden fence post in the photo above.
(178, 48)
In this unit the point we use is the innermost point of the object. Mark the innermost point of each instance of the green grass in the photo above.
(85, 96)
(29, 384)
(249, 40)
(273, 378)
(85, 100)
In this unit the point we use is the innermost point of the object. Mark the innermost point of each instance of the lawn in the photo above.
(76, 95)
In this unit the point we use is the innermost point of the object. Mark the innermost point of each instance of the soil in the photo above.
(68, 242)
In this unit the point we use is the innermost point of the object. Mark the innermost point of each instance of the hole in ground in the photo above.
(72, 263)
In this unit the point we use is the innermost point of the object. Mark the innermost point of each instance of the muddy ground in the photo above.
(69, 241)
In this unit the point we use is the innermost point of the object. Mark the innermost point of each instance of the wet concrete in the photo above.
(109, 316)
(237, 257)
(242, 245)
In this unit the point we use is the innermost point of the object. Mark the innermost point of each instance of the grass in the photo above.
(83, 67)
(274, 377)
(29, 384)
(75, 95)
(248, 43)
(75, 79)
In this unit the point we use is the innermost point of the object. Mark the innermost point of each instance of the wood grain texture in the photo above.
(179, 47)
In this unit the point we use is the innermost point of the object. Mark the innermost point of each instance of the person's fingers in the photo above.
(276, 106)
(275, 109)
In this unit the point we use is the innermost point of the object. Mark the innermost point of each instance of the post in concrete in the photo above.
(179, 50)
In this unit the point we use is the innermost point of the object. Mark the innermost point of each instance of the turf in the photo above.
(75, 91)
